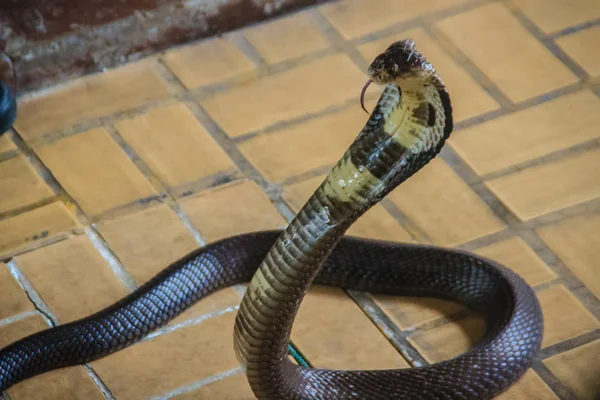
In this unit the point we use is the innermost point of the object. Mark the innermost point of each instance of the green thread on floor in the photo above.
(297, 356)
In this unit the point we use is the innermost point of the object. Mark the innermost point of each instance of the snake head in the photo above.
(400, 63)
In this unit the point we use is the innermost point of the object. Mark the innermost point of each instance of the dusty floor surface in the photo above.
(107, 179)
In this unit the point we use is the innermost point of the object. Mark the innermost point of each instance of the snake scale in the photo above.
(407, 128)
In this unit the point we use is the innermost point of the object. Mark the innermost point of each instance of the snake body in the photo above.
(407, 128)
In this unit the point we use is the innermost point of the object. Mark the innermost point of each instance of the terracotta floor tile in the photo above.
(467, 97)
(167, 362)
(449, 340)
(209, 62)
(529, 134)
(303, 90)
(549, 187)
(444, 206)
(319, 142)
(232, 210)
(537, 72)
(70, 383)
(530, 386)
(95, 171)
(72, 278)
(377, 223)
(6, 144)
(20, 185)
(287, 38)
(564, 316)
(147, 241)
(516, 255)
(581, 46)
(576, 242)
(90, 97)
(409, 312)
(354, 18)
(176, 147)
(24, 229)
(234, 387)
(12, 298)
(19, 329)
(578, 369)
(330, 328)
(555, 15)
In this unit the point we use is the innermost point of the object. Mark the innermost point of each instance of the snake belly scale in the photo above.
(407, 128)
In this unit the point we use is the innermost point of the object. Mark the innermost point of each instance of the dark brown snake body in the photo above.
(406, 130)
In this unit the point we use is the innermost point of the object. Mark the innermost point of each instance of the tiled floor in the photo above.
(107, 179)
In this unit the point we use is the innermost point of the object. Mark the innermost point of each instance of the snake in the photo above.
(408, 127)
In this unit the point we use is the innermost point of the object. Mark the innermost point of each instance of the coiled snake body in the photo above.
(407, 128)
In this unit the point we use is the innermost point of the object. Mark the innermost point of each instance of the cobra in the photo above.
(407, 128)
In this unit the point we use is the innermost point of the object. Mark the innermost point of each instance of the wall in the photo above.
(53, 40)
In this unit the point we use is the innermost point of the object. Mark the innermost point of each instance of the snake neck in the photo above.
(404, 132)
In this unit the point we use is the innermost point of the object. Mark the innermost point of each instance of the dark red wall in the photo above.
(50, 41)
(45, 19)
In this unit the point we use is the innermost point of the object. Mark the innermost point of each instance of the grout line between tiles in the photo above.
(273, 191)
(549, 44)
(189, 322)
(555, 156)
(563, 272)
(8, 155)
(280, 126)
(194, 386)
(29, 207)
(30, 291)
(18, 317)
(439, 322)
(596, 89)
(572, 29)
(99, 382)
(12, 252)
(47, 314)
(406, 222)
(98, 122)
(209, 182)
(552, 381)
(115, 265)
(146, 171)
(305, 176)
(569, 344)
(239, 39)
(469, 66)
(337, 40)
(391, 331)
(418, 21)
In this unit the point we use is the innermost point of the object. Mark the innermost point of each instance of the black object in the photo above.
(8, 108)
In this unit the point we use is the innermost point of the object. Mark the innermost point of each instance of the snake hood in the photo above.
(411, 121)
